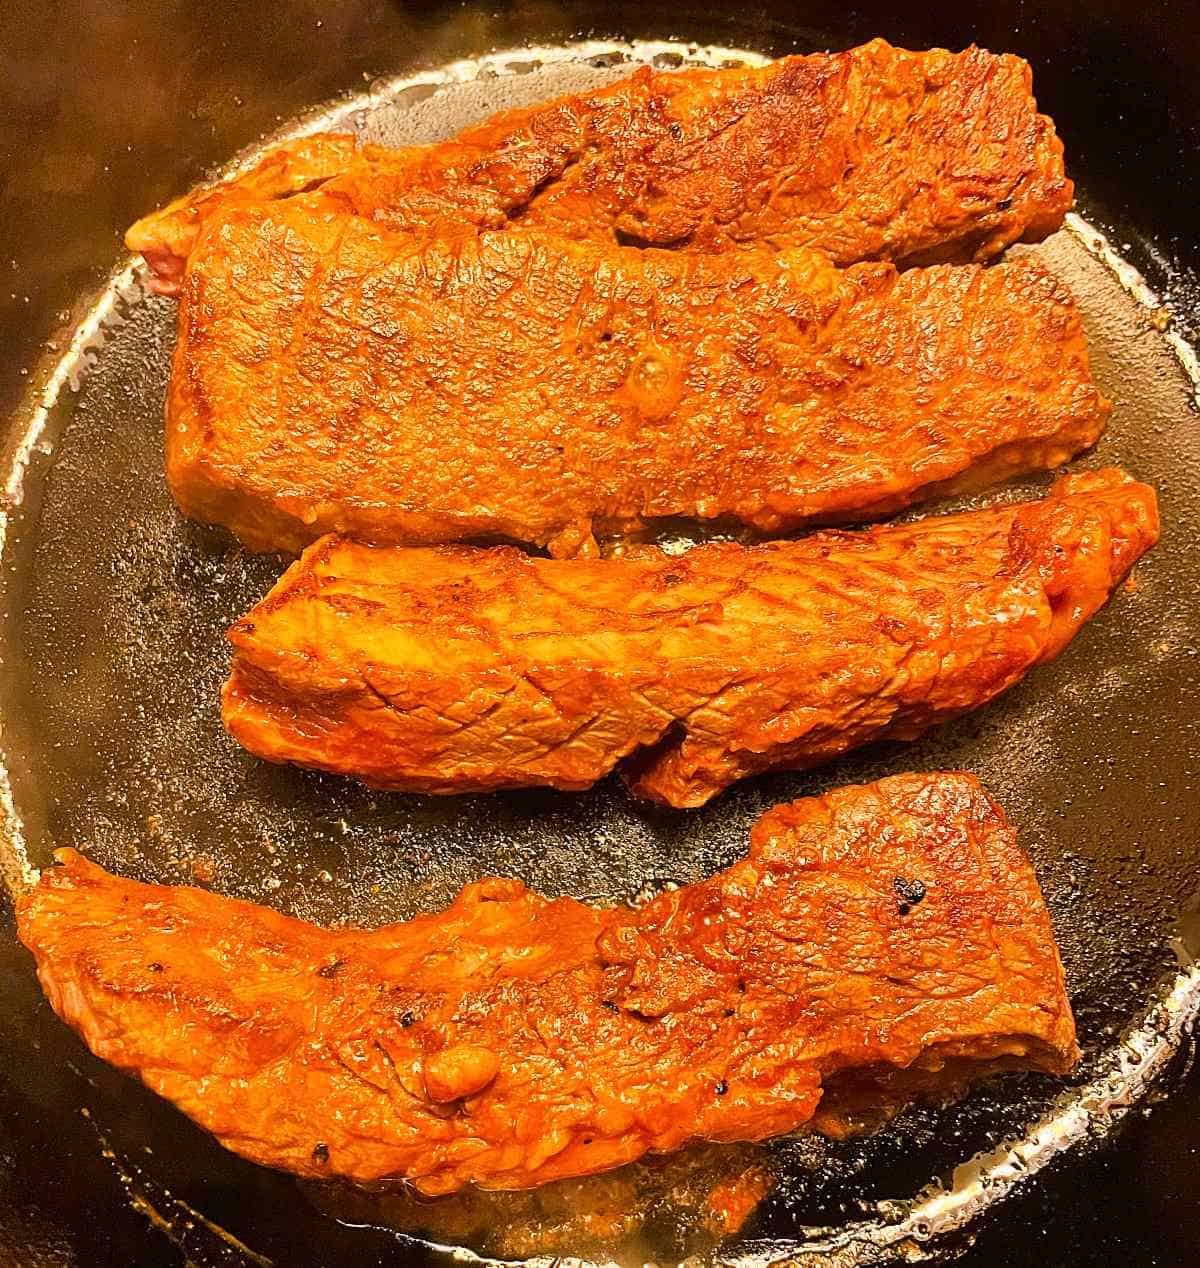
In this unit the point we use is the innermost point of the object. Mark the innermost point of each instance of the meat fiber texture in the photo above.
(874, 153)
(876, 944)
(334, 376)
(463, 670)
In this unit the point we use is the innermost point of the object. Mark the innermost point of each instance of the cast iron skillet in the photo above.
(111, 641)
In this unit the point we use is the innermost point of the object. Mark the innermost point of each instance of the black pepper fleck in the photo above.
(727, 1013)
(155, 967)
(722, 1088)
(330, 970)
(407, 1019)
(607, 1003)
(320, 1152)
(910, 893)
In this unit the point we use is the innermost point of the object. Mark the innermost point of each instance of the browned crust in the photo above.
(455, 670)
(333, 376)
(511, 1040)
(873, 153)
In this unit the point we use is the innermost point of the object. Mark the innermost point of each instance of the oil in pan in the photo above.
(114, 615)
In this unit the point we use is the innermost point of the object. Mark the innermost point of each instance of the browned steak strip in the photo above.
(873, 153)
(455, 670)
(511, 1040)
(334, 376)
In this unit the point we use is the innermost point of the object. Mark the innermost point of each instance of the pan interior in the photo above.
(112, 638)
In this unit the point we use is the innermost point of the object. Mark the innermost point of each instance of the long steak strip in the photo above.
(452, 670)
(879, 943)
(331, 376)
(874, 153)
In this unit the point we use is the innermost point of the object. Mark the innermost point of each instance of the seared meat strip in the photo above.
(882, 942)
(332, 376)
(455, 670)
(874, 153)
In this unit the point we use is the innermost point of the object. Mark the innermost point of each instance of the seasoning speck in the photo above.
(722, 1087)
(320, 1152)
(910, 893)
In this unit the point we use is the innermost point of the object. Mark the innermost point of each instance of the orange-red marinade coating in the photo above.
(333, 376)
(511, 1039)
(872, 153)
(463, 670)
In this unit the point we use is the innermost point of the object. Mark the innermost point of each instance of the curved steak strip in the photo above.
(331, 376)
(873, 153)
(879, 943)
(458, 670)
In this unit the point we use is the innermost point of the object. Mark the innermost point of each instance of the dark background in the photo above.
(107, 109)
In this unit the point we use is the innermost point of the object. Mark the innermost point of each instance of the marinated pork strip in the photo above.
(877, 944)
(332, 376)
(874, 153)
(457, 670)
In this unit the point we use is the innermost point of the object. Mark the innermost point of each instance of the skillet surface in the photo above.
(112, 635)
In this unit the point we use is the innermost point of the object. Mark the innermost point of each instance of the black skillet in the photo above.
(110, 638)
